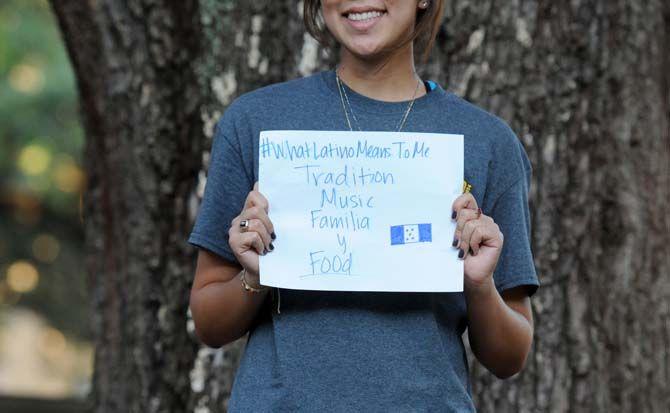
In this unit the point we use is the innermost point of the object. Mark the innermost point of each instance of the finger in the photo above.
(255, 198)
(250, 241)
(258, 226)
(464, 201)
(464, 216)
(257, 212)
(464, 243)
(486, 234)
(470, 226)
(475, 239)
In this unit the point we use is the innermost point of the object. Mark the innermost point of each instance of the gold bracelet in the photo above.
(247, 286)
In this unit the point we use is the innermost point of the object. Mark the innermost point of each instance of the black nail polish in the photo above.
(453, 244)
(453, 214)
(273, 236)
(461, 253)
(272, 247)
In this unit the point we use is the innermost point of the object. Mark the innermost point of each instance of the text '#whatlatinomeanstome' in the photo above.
(284, 149)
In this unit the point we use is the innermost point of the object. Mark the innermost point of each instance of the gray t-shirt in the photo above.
(354, 351)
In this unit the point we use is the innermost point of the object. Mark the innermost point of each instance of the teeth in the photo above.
(364, 16)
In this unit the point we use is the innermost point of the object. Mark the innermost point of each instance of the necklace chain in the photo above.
(344, 96)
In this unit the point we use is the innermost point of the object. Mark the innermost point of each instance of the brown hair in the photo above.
(427, 24)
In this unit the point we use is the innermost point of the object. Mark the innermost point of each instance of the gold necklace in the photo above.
(344, 96)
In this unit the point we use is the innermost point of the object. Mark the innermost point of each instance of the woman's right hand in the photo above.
(247, 244)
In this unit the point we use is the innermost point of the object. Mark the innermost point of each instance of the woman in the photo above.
(348, 351)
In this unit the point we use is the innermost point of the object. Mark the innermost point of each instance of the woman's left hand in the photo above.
(478, 239)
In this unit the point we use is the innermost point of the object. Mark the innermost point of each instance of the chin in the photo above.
(365, 52)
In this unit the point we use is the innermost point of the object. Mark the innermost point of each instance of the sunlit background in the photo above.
(44, 336)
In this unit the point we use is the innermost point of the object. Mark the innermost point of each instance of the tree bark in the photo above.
(585, 84)
(140, 106)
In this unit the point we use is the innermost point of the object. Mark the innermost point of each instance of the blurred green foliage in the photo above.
(41, 176)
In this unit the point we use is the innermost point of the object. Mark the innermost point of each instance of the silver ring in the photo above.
(244, 225)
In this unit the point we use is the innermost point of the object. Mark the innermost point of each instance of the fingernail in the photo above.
(273, 236)
(453, 244)
(453, 214)
(272, 247)
(473, 252)
(461, 253)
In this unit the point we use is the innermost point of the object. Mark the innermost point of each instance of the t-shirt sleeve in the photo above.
(511, 212)
(226, 189)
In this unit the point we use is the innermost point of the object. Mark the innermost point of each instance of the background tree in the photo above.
(585, 84)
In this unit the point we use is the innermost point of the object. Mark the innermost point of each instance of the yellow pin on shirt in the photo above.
(467, 187)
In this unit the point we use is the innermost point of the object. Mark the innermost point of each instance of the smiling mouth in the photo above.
(363, 16)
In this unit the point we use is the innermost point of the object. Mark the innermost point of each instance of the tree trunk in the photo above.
(140, 103)
(585, 84)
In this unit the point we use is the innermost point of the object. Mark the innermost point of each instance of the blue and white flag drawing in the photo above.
(411, 233)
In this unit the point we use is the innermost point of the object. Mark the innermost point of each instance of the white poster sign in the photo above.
(361, 211)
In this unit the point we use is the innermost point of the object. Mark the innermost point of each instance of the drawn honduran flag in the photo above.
(411, 233)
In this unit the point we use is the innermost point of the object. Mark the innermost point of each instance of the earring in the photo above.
(423, 4)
